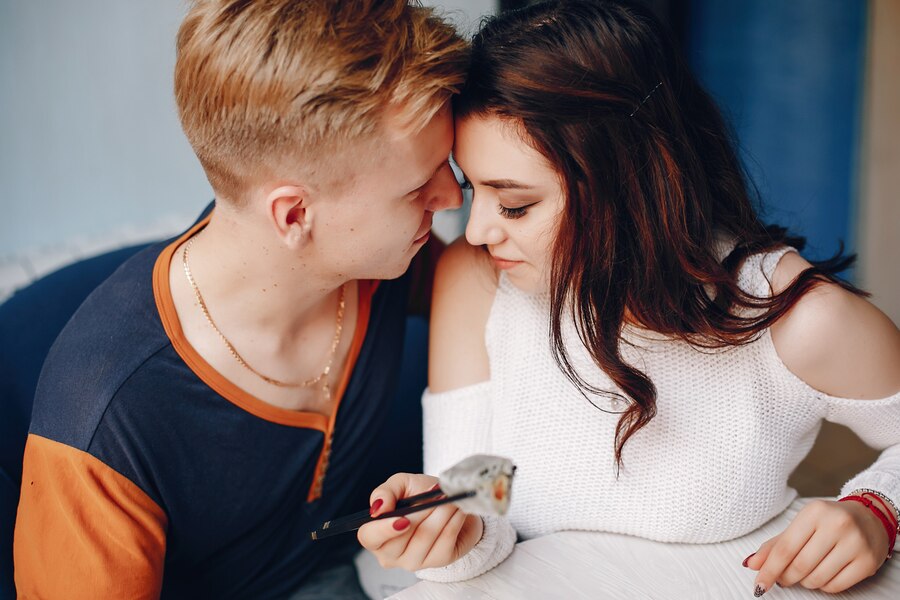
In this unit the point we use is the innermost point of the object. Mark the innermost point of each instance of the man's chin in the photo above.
(398, 272)
(394, 271)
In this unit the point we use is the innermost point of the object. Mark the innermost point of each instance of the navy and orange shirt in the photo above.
(147, 473)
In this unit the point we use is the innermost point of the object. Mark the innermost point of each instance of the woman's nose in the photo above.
(483, 227)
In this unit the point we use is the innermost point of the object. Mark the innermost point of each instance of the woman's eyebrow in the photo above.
(507, 184)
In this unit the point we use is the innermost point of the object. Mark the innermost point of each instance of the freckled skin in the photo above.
(377, 223)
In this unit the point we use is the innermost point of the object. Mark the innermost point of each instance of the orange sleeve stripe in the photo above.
(83, 530)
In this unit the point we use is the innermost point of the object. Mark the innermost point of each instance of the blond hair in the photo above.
(259, 81)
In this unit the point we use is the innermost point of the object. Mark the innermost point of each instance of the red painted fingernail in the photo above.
(375, 506)
(746, 560)
(436, 486)
(401, 523)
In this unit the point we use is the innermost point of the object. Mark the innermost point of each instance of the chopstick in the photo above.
(405, 506)
(402, 503)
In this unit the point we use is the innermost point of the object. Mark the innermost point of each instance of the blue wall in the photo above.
(789, 77)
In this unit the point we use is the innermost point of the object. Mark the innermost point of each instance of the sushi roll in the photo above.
(488, 479)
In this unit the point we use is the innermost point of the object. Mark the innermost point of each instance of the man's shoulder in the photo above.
(112, 334)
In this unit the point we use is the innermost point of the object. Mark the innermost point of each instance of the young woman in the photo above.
(622, 325)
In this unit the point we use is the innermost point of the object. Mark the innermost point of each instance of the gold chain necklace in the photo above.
(320, 378)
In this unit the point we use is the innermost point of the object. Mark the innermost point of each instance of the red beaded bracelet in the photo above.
(888, 525)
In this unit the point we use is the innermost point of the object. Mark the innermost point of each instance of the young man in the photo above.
(217, 398)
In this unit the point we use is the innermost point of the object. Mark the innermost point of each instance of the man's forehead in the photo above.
(421, 151)
(400, 122)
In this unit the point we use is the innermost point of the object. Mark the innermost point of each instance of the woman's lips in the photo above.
(504, 264)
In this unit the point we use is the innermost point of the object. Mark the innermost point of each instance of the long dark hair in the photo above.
(651, 179)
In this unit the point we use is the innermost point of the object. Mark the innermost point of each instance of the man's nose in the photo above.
(444, 192)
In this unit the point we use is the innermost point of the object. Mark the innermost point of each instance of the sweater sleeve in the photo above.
(457, 424)
(877, 423)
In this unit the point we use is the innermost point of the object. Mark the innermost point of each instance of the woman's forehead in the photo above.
(490, 144)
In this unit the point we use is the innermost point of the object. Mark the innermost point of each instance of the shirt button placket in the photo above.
(326, 457)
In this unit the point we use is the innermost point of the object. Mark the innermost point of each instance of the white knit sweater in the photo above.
(712, 465)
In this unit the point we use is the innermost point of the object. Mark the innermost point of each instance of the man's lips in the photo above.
(424, 229)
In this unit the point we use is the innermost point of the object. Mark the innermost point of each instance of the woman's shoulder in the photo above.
(463, 261)
(464, 289)
(834, 340)
(465, 279)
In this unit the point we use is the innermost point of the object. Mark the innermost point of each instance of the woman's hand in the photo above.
(829, 546)
(430, 538)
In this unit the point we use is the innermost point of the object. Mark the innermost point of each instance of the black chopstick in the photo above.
(357, 520)
(403, 502)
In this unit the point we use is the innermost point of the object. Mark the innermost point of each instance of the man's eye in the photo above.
(513, 213)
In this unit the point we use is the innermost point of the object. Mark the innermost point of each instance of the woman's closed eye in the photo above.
(507, 212)
(512, 213)
(518, 209)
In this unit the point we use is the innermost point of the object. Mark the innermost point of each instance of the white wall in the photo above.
(90, 139)
(90, 144)
(466, 14)
(879, 218)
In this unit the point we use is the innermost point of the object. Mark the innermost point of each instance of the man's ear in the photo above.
(288, 210)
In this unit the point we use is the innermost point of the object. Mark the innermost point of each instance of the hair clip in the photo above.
(647, 97)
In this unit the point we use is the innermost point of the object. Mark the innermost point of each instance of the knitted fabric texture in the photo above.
(712, 465)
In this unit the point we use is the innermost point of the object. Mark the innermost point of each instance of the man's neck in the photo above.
(274, 309)
(257, 285)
